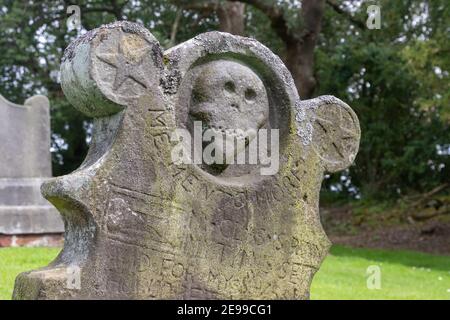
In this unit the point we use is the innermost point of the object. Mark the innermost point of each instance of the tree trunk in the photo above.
(300, 43)
(300, 63)
(299, 56)
(232, 17)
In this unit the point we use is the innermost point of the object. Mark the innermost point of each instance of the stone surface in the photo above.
(26, 163)
(25, 134)
(140, 226)
(229, 98)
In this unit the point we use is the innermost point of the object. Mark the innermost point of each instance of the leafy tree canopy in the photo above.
(396, 78)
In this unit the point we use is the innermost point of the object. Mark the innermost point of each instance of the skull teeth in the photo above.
(236, 133)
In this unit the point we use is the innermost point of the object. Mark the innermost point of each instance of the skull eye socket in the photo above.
(250, 95)
(230, 87)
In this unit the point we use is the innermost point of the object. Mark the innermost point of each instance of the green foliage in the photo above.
(398, 147)
(388, 77)
(396, 78)
(33, 36)
(258, 27)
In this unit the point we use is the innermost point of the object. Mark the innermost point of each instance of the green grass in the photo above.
(404, 275)
(16, 260)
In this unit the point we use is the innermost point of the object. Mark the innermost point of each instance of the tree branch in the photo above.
(201, 6)
(272, 11)
(346, 14)
(424, 197)
(276, 16)
(176, 23)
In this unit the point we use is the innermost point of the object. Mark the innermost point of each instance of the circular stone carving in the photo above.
(230, 100)
(123, 65)
(229, 97)
(336, 135)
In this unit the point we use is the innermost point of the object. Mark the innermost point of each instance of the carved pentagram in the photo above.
(127, 58)
(336, 135)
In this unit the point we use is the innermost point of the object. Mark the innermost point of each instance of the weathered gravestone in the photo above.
(138, 224)
(25, 164)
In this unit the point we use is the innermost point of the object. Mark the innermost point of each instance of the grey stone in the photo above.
(26, 162)
(227, 96)
(141, 226)
(17, 220)
(25, 134)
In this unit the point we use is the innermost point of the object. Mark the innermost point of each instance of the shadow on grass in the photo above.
(408, 258)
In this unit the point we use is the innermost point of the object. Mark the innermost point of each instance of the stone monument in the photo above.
(26, 163)
(140, 225)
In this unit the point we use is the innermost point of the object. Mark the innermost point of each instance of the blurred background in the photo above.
(395, 76)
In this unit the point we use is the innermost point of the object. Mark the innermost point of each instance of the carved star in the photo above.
(126, 67)
(340, 137)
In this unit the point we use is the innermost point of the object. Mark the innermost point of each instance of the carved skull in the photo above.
(231, 100)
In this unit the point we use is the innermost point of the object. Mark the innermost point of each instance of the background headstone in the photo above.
(25, 165)
(140, 226)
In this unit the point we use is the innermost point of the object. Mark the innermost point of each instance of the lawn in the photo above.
(404, 275)
(16, 260)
